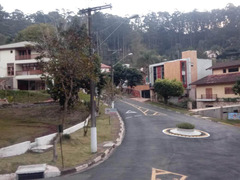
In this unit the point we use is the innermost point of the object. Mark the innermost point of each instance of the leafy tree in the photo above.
(130, 75)
(103, 78)
(119, 74)
(36, 33)
(133, 77)
(236, 87)
(167, 88)
(69, 63)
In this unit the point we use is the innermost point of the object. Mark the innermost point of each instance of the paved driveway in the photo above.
(146, 153)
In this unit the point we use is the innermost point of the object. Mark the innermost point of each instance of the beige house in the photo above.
(19, 68)
(216, 89)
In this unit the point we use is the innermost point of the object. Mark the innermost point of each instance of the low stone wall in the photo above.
(203, 104)
(217, 112)
(44, 140)
(15, 149)
(23, 147)
(76, 127)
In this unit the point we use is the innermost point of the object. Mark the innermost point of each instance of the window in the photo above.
(10, 69)
(162, 72)
(154, 74)
(233, 69)
(184, 79)
(228, 90)
(224, 71)
(183, 64)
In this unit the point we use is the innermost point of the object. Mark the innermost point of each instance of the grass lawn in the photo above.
(76, 150)
(18, 96)
(24, 122)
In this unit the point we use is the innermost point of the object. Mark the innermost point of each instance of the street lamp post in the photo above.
(129, 54)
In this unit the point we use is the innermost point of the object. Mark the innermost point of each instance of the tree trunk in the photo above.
(165, 100)
(55, 141)
(85, 129)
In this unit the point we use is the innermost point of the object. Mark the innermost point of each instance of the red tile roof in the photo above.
(105, 66)
(218, 79)
(225, 64)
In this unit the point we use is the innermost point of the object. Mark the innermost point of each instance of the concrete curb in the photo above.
(102, 156)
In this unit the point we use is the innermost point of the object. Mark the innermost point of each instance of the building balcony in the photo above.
(30, 72)
(26, 57)
(208, 97)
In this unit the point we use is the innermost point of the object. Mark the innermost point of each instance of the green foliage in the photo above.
(236, 87)
(66, 137)
(183, 103)
(167, 88)
(101, 82)
(185, 125)
(167, 34)
(69, 64)
(131, 75)
(230, 99)
(23, 96)
(36, 32)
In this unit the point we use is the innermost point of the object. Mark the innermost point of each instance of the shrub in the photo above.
(66, 137)
(185, 125)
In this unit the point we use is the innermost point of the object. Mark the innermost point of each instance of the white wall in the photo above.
(6, 57)
(15, 149)
(202, 65)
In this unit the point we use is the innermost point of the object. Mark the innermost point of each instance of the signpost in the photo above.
(110, 111)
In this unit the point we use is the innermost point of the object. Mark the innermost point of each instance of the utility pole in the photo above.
(92, 83)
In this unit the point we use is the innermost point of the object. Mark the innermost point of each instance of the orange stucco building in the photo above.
(187, 70)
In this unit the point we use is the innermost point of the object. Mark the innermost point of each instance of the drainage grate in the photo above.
(31, 176)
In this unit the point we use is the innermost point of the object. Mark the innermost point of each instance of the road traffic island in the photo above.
(186, 133)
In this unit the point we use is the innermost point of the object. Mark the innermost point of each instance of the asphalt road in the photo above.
(145, 147)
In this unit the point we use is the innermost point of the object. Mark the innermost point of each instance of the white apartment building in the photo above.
(18, 67)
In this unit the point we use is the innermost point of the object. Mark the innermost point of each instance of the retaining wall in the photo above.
(15, 149)
(217, 112)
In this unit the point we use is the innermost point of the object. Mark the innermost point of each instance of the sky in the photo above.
(122, 8)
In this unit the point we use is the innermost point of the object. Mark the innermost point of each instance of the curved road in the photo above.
(146, 153)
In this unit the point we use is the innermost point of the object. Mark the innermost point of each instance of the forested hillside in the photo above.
(151, 38)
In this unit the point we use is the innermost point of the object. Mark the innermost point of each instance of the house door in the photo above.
(208, 93)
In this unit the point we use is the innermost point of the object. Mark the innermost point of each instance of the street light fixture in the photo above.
(129, 54)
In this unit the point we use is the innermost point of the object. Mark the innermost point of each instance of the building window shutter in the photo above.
(228, 90)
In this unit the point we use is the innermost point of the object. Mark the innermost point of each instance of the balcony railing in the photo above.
(30, 72)
(208, 97)
(26, 57)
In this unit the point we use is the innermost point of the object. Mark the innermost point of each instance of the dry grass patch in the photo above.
(76, 149)
(26, 122)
